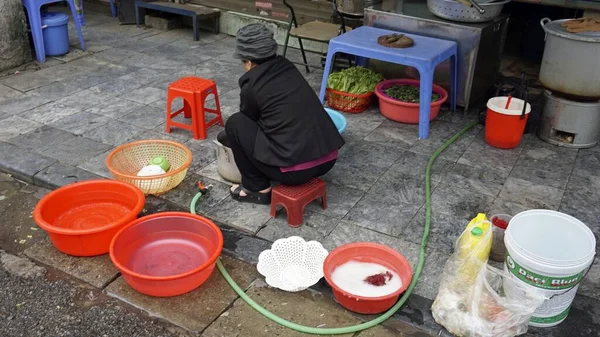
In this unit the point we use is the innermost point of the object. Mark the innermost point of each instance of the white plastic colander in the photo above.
(292, 264)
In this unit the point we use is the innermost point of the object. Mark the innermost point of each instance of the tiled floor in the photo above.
(64, 119)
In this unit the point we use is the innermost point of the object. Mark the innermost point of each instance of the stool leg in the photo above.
(168, 121)
(426, 87)
(198, 121)
(295, 216)
(81, 18)
(77, 23)
(195, 27)
(137, 16)
(324, 201)
(218, 108)
(453, 85)
(287, 37)
(361, 61)
(113, 12)
(35, 23)
(326, 70)
(303, 55)
(273, 208)
(187, 110)
(217, 25)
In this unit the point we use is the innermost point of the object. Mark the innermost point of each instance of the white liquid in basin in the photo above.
(350, 277)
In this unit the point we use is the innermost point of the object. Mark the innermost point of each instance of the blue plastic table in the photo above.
(424, 55)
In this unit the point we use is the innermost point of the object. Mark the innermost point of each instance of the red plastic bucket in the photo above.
(504, 127)
(367, 252)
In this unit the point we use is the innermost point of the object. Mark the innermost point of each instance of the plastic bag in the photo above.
(469, 306)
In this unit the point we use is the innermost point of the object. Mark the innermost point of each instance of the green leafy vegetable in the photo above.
(407, 93)
(354, 80)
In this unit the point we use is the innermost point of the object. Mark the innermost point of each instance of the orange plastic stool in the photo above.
(194, 91)
(295, 198)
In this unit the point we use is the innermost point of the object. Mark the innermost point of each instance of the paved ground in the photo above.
(58, 123)
(46, 293)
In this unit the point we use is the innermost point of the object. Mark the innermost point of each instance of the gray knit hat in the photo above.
(254, 42)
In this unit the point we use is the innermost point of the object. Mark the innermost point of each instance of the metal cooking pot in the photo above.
(455, 11)
(571, 62)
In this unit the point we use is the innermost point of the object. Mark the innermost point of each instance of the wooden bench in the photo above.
(196, 12)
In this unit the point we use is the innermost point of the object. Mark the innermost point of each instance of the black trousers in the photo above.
(240, 136)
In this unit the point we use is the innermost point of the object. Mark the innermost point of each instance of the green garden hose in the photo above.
(392, 310)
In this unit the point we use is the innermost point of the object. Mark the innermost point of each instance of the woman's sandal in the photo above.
(251, 197)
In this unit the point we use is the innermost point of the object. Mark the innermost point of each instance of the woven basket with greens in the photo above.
(354, 80)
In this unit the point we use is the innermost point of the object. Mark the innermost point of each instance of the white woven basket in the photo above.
(292, 264)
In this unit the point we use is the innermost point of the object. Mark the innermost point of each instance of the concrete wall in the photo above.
(14, 42)
(231, 21)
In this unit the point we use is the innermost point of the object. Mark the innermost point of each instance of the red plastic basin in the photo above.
(404, 112)
(373, 253)
(167, 254)
(82, 218)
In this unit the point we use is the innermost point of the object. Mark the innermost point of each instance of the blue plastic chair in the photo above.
(425, 55)
(35, 22)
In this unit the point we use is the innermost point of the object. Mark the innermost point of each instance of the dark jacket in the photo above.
(294, 128)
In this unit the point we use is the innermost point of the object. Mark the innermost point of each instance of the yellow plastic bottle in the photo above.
(474, 247)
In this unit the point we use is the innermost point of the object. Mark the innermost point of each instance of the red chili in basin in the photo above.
(379, 280)
(499, 222)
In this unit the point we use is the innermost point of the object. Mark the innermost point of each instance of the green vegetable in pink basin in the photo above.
(407, 93)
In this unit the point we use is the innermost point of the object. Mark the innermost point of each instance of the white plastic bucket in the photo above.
(550, 251)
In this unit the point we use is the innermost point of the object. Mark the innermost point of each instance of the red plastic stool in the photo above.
(295, 198)
(194, 91)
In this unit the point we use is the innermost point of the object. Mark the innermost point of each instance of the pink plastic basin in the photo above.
(404, 112)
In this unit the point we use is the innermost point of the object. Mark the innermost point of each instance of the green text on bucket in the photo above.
(541, 281)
